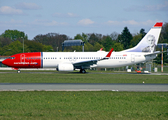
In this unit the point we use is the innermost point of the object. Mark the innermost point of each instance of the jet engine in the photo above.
(65, 67)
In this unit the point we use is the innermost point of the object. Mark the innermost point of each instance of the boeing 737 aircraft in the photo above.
(69, 61)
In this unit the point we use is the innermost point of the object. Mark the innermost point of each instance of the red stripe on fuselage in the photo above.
(25, 60)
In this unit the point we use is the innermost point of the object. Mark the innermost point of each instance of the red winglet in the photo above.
(109, 54)
(101, 49)
(158, 24)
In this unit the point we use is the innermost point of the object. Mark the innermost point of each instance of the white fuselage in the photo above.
(117, 59)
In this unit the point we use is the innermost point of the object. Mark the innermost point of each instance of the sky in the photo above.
(72, 17)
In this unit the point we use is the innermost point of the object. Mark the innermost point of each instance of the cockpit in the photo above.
(11, 58)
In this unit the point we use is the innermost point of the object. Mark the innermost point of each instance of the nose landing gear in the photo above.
(18, 71)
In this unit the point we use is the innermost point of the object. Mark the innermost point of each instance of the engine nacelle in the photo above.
(65, 67)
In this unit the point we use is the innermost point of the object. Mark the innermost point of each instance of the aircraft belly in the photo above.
(111, 63)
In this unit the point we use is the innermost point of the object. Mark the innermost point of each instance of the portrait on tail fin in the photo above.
(151, 44)
(149, 41)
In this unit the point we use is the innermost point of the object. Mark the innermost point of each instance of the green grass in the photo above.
(54, 77)
(84, 105)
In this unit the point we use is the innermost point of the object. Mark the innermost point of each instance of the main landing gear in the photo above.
(82, 71)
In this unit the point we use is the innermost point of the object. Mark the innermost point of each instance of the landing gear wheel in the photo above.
(18, 71)
(82, 71)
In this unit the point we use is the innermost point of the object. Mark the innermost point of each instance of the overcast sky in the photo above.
(73, 17)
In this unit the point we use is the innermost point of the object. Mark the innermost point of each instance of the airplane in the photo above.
(69, 61)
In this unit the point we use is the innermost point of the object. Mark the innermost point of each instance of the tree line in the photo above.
(11, 41)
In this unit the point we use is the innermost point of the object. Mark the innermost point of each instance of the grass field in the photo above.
(55, 77)
(102, 105)
(84, 105)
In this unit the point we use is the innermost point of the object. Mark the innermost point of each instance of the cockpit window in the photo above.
(11, 58)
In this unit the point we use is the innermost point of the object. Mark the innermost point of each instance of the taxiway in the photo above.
(83, 87)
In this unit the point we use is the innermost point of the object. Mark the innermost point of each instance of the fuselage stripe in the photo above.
(41, 59)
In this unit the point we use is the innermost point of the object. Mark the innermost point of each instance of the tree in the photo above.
(125, 38)
(107, 42)
(92, 38)
(163, 39)
(76, 48)
(142, 31)
(165, 58)
(97, 46)
(78, 36)
(135, 40)
(164, 34)
(114, 36)
(14, 35)
(117, 46)
(88, 47)
(9, 36)
(14, 48)
(83, 37)
(34, 46)
(48, 48)
(4, 41)
(53, 39)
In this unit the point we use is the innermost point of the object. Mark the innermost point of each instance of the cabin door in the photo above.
(22, 58)
(132, 58)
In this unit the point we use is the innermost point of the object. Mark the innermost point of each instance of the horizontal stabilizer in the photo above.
(154, 53)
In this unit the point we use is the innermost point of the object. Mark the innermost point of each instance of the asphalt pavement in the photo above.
(83, 87)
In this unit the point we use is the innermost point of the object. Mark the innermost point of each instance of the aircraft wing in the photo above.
(86, 64)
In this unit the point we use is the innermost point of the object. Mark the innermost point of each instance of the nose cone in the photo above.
(4, 62)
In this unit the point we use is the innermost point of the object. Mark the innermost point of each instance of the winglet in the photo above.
(109, 54)
(101, 49)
